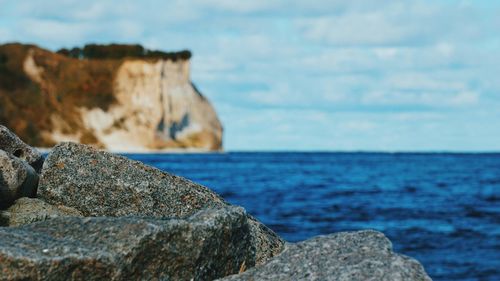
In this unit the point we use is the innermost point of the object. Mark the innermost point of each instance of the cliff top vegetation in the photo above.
(119, 51)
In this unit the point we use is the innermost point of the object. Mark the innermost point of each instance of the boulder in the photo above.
(12, 144)
(210, 244)
(29, 210)
(17, 179)
(99, 183)
(361, 255)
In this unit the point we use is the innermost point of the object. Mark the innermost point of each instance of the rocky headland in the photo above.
(115, 97)
(87, 214)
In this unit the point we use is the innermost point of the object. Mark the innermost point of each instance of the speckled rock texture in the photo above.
(344, 256)
(29, 210)
(210, 244)
(12, 144)
(17, 179)
(98, 183)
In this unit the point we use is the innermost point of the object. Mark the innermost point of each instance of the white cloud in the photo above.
(386, 53)
(418, 116)
(335, 95)
(389, 23)
(465, 98)
(444, 48)
(359, 126)
(240, 6)
(421, 81)
(431, 99)
(331, 70)
(365, 29)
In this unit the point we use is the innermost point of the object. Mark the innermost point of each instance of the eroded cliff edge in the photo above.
(122, 103)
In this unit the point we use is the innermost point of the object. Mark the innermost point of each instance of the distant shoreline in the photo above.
(205, 151)
(152, 151)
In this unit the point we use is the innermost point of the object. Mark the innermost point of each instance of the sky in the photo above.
(310, 75)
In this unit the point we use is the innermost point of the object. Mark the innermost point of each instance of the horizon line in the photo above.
(323, 151)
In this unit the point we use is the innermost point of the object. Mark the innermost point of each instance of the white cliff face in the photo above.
(156, 108)
(31, 69)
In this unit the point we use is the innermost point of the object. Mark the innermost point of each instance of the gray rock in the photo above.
(17, 179)
(362, 255)
(14, 145)
(210, 244)
(29, 210)
(98, 183)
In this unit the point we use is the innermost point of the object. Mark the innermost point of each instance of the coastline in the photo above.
(46, 150)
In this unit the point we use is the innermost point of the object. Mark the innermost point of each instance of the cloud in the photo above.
(387, 25)
(429, 99)
(326, 74)
(396, 23)
(362, 126)
(240, 6)
(465, 98)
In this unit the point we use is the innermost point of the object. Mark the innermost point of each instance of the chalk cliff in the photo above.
(130, 102)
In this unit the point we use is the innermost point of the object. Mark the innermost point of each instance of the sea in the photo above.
(442, 209)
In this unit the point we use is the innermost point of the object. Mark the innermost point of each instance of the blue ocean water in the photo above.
(442, 209)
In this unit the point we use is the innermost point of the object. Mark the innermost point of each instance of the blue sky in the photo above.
(310, 75)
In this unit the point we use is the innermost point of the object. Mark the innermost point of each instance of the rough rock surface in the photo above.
(98, 183)
(17, 179)
(29, 210)
(12, 144)
(210, 244)
(362, 255)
